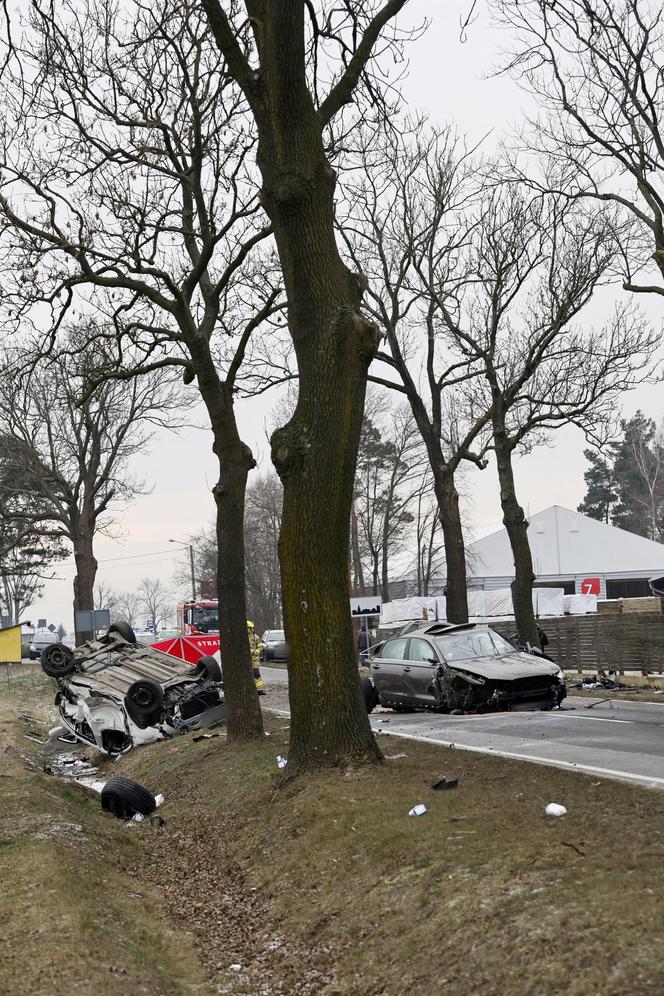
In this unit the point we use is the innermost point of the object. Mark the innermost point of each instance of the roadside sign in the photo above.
(367, 605)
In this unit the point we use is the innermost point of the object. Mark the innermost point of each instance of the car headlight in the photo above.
(561, 676)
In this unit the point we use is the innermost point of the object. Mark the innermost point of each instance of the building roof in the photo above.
(567, 543)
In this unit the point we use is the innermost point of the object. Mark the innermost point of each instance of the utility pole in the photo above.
(191, 564)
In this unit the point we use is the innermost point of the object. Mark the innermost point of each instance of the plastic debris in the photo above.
(394, 757)
(555, 809)
(235, 968)
(281, 761)
(138, 817)
(418, 810)
(159, 800)
(446, 783)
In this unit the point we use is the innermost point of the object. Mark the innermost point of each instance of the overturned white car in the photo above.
(114, 693)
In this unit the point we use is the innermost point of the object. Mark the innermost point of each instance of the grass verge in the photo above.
(326, 885)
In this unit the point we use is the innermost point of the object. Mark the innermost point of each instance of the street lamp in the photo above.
(191, 561)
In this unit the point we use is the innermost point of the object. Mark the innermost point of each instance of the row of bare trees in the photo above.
(174, 180)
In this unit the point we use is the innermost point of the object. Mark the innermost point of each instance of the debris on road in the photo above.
(419, 810)
(445, 783)
(555, 809)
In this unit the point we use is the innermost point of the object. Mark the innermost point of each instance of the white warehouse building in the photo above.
(571, 551)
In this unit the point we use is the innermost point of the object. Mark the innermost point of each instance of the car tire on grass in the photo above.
(124, 797)
(211, 666)
(57, 660)
(369, 694)
(124, 630)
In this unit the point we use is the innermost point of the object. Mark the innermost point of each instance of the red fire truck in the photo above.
(198, 623)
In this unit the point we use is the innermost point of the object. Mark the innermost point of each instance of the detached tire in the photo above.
(124, 630)
(211, 667)
(369, 694)
(124, 798)
(57, 660)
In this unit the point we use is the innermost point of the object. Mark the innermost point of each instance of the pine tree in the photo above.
(601, 486)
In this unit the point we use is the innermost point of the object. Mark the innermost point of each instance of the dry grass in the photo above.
(72, 917)
(327, 885)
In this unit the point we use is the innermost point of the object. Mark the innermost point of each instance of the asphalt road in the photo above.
(614, 739)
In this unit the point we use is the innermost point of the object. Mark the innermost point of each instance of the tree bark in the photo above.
(86, 568)
(315, 454)
(244, 720)
(447, 498)
(517, 531)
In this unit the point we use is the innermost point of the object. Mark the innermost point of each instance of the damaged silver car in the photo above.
(466, 667)
(114, 693)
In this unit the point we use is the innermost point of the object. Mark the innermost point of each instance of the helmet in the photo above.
(250, 625)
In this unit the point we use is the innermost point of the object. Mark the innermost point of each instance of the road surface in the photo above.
(614, 739)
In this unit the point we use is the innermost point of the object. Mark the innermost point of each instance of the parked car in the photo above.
(115, 693)
(40, 639)
(470, 667)
(275, 647)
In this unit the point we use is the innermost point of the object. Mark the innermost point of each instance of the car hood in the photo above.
(509, 667)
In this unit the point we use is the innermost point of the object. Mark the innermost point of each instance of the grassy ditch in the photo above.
(326, 885)
(72, 916)
(349, 894)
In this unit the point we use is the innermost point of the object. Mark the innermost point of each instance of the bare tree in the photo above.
(596, 66)
(518, 284)
(72, 456)
(155, 598)
(127, 179)
(262, 526)
(299, 65)
(105, 597)
(408, 216)
(126, 607)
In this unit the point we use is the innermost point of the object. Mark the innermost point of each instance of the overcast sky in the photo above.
(449, 81)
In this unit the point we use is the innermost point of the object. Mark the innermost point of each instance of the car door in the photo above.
(419, 671)
(387, 671)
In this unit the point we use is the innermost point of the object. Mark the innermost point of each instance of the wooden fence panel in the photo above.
(625, 642)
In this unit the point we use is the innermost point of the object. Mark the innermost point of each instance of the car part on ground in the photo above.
(369, 694)
(467, 668)
(114, 694)
(124, 798)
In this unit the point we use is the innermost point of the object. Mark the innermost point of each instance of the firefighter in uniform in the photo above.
(255, 647)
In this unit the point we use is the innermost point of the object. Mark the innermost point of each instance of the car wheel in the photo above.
(124, 797)
(369, 694)
(57, 660)
(211, 666)
(145, 695)
(124, 630)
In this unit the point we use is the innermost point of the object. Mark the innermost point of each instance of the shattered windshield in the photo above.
(205, 620)
(473, 643)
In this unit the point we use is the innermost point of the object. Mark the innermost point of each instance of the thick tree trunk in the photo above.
(517, 531)
(86, 571)
(315, 454)
(447, 498)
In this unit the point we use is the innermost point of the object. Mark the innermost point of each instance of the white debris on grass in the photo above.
(281, 761)
(555, 809)
(159, 800)
(418, 810)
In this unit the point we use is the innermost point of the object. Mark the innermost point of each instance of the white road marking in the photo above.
(594, 719)
(647, 780)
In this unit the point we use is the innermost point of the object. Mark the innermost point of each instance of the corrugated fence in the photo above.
(628, 642)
